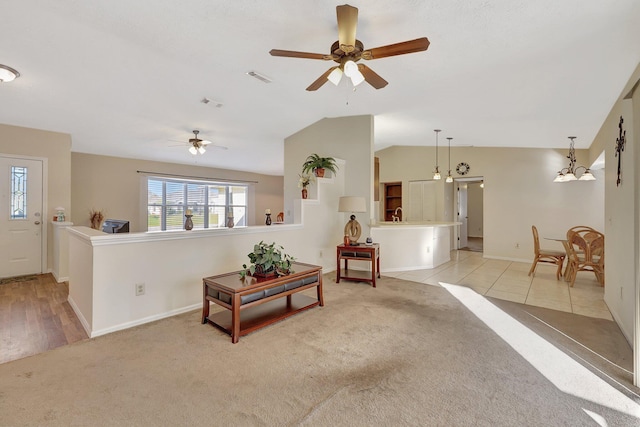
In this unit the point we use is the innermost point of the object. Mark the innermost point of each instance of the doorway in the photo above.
(469, 202)
(22, 225)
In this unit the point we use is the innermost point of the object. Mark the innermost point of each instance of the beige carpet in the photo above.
(401, 354)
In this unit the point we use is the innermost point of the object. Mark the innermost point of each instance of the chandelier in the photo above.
(569, 173)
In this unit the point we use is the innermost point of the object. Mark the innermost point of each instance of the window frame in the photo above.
(186, 204)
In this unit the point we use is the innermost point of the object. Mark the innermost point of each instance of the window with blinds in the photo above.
(210, 204)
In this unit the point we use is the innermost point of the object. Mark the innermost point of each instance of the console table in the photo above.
(261, 301)
(370, 253)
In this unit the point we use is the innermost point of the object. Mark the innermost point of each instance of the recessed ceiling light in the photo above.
(7, 74)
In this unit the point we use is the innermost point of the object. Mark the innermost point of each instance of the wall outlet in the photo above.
(140, 289)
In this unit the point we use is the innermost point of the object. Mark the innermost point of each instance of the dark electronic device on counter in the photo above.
(115, 226)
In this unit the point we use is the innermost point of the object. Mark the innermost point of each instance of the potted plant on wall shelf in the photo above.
(304, 181)
(317, 164)
(267, 260)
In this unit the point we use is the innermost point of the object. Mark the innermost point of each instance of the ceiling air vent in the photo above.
(259, 76)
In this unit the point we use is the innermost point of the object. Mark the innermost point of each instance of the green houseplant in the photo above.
(317, 164)
(267, 260)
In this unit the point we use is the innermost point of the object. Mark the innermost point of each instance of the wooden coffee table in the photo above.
(253, 303)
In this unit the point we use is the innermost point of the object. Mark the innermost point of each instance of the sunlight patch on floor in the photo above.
(564, 372)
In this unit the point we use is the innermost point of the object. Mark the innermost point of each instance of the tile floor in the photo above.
(508, 280)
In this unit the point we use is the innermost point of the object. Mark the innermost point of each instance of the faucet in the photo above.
(395, 217)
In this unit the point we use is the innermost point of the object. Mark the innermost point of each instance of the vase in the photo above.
(304, 193)
(268, 220)
(188, 223)
(230, 222)
(319, 172)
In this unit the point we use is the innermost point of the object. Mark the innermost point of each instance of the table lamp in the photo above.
(352, 204)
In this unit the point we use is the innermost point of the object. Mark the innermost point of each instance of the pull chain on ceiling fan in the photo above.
(347, 50)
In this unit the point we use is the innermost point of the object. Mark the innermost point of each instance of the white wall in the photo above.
(56, 148)
(349, 139)
(621, 209)
(113, 185)
(104, 269)
(518, 192)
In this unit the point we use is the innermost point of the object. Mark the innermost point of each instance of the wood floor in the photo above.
(35, 317)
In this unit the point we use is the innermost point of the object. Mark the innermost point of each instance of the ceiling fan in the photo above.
(197, 145)
(347, 50)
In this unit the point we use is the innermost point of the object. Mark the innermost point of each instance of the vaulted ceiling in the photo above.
(126, 78)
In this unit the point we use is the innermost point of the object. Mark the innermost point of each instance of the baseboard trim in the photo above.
(76, 310)
(144, 320)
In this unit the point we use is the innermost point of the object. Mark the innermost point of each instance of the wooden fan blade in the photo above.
(372, 77)
(294, 54)
(410, 46)
(321, 80)
(347, 23)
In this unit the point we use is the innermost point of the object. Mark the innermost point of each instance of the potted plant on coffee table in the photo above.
(317, 164)
(267, 260)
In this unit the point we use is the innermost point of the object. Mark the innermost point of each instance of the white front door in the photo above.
(21, 219)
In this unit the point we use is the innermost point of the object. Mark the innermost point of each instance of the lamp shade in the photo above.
(352, 204)
(587, 176)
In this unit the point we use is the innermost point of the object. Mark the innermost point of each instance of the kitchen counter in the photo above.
(413, 245)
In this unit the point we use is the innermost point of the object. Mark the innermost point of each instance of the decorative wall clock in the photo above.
(463, 168)
(620, 141)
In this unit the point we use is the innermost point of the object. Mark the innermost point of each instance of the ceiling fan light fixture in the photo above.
(350, 69)
(8, 74)
(201, 150)
(193, 150)
(357, 78)
(335, 76)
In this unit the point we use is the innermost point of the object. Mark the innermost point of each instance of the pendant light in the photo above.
(436, 173)
(449, 177)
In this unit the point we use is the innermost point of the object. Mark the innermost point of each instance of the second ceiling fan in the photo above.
(347, 50)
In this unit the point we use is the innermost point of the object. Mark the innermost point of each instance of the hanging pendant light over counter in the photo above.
(449, 177)
(436, 173)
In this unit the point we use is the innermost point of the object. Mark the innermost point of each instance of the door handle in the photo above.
(36, 222)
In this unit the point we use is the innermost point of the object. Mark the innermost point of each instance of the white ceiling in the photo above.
(126, 77)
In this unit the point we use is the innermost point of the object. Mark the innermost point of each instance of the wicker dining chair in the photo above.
(586, 253)
(545, 255)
